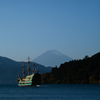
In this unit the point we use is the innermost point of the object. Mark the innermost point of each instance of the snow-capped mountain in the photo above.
(52, 58)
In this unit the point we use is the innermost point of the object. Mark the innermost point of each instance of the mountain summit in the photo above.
(52, 58)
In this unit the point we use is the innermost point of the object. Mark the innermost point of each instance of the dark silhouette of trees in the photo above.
(77, 71)
(86, 57)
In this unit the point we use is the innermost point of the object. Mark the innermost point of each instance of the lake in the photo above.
(50, 92)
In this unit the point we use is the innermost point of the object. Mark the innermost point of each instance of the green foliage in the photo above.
(77, 71)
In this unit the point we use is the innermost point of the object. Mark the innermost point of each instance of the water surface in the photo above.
(50, 92)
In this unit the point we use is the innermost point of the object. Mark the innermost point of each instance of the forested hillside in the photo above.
(77, 71)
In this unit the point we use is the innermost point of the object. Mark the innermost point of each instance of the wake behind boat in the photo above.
(33, 79)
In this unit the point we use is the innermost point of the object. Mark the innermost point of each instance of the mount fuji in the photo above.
(52, 58)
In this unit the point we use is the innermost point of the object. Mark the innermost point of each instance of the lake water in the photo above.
(51, 92)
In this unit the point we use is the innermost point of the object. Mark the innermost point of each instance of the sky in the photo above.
(31, 27)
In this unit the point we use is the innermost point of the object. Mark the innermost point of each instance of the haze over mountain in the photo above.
(52, 58)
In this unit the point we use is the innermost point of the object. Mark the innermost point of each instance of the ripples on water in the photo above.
(51, 92)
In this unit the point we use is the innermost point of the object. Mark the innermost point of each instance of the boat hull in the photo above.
(30, 80)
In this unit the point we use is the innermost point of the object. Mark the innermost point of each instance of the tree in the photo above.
(86, 57)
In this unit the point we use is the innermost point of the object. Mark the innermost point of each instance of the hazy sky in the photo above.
(31, 27)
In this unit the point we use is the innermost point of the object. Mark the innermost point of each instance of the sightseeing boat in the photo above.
(33, 79)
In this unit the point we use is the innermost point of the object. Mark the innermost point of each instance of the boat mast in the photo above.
(28, 65)
(33, 69)
(23, 70)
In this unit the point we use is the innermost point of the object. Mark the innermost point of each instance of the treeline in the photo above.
(75, 72)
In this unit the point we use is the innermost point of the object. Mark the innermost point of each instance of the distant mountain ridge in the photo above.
(10, 69)
(52, 58)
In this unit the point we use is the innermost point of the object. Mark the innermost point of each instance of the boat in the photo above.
(33, 79)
